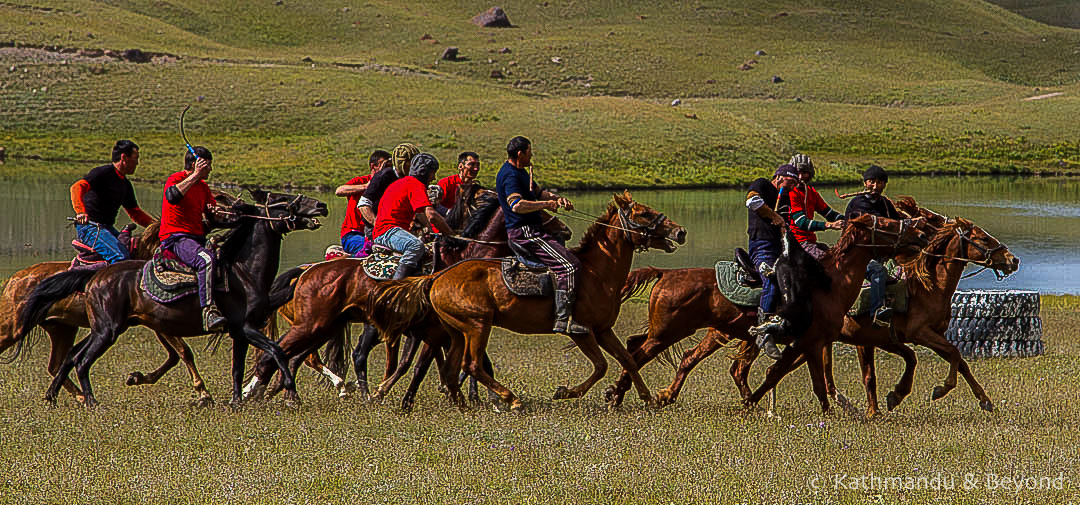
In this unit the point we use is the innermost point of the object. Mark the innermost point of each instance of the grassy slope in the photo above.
(922, 85)
(702, 450)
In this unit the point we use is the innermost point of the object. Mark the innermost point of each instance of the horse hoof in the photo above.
(892, 400)
(664, 398)
(609, 394)
(938, 392)
(987, 405)
(292, 403)
(517, 408)
(202, 402)
(135, 378)
(561, 393)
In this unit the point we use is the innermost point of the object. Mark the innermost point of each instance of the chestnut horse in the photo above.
(114, 301)
(681, 302)
(470, 298)
(328, 296)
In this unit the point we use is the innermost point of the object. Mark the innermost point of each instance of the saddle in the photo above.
(729, 280)
(382, 263)
(166, 279)
(896, 294)
(88, 259)
(749, 276)
(524, 274)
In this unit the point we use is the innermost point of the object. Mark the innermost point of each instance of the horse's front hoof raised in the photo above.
(892, 400)
(135, 378)
(987, 405)
(561, 393)
(938, 393)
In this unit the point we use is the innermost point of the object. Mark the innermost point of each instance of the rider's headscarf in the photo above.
(403, 153)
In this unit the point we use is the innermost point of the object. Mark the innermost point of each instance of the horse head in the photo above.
(983, 249)
(900, 237)
(287, 212)
(646, 228)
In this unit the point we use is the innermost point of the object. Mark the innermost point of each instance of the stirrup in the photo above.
(569, 327)
(213, 321)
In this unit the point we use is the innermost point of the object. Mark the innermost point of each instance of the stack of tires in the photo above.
(996, 324)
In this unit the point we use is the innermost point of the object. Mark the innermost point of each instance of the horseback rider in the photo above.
(187, 200)
(468, 166)
(398, 168)
(805, 200)
(875, 203)
(97, 198)
(764, 228)
(352, 228)
(405, 199)
(521, 200)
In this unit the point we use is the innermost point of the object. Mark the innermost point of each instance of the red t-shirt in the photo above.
(399, 204)
(450, 187)
(808, 202)
(186, 216)
(353, 221)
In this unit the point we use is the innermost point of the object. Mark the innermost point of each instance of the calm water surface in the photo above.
(1037, 218)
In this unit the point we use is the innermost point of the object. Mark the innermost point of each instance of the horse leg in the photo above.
(830, 384)
(391, 359)
(344, 387)
(475, 348)
(610, 343)
(253, 337)
(903, 388)
(869, 379)
(646, 348)
(589, 347)
(817, 373)
(360, 353)
(61, 374)
(427, 355)
(203, 399)
(451, 364)
(99, 342)
(62, 338)
(412, 344)
(334, 351)
(950, 353)
(138, 378)
(713, 341)
(239, 355)
(777, 371)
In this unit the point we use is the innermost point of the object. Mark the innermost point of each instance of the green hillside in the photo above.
(1052, 12)
(297, 93)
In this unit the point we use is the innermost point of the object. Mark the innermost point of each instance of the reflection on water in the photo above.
(1039, 219)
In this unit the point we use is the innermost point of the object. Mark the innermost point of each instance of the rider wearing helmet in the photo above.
(875, 203)
(805, 200)
(405, 199)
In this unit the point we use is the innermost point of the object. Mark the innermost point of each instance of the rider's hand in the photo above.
(777, 220)
(552, 205)
(834, 225)
(82, 218)
(202, 168)
(565, 203)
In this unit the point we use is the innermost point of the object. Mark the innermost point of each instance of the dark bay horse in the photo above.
(328, 296)
(681, 302)
(470, 298)
(249, 258)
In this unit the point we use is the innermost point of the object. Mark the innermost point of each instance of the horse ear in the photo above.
(258, 195)
(623, 200)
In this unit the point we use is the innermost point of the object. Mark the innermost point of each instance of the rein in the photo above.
(986, 263)
(629, 225)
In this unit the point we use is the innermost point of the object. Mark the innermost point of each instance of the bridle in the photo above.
(291, 219)
(986, 263)
(875, 231)
(629, 226)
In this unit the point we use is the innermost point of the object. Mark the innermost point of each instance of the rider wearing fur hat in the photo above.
(405, 199)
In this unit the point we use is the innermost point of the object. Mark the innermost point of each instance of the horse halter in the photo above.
(631, 226)
(289, 220)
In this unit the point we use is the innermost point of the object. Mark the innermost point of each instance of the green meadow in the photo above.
(298, 93)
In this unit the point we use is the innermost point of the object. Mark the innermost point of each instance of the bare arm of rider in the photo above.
(432, 216)
(347, 190)
(140, 217)
(367, 213)
(77, 191)
(562, 202)
(202, 169)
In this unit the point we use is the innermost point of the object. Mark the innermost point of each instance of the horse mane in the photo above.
(486, 207)
(457, 213)
(589, 238)
(921, 265)
(233, 242)
(845, 242)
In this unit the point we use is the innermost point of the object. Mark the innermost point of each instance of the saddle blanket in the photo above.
(727, 280)
(524, 280)
(166, 279)
(382, 264)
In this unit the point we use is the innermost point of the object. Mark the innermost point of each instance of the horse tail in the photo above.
(281, 291)
(638, 281)
(397, 305)
(49, 291)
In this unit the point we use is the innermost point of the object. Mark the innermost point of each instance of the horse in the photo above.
(470, 298)
(328, 296)
(248, 257)
(846, 267)
(682, 301)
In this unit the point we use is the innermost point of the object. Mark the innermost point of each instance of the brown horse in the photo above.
(114, 301)
(470, 298)
(66, 317)
(328, 296)
(681, 302)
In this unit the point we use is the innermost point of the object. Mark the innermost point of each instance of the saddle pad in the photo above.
(381, 266)
(896, 296)
(166, 286)
(727, 280)
(524, 281)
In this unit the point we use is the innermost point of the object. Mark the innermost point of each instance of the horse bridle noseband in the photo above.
(986, 263)
(290, 220)
(646, 230)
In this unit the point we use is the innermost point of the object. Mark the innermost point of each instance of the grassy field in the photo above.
(144, 445)
(299, 93)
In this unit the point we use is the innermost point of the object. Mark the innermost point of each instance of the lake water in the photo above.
(1037, 218)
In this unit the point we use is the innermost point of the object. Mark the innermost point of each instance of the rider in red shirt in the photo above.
(805, 200)
(352, 228)
(403, 200)
(187, 199)
(468, 167)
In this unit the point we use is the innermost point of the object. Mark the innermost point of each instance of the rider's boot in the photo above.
(564, 307)
(405, 270)
(768, 325)
(213, 321)
(883, 317)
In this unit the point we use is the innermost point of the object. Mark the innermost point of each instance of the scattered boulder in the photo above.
(505, 50)
(136, 56)
(746, 66)
(307, 59)
(710, 81)
(642, 17)
(495, 74)
(97, 69)
(780, 15)
(494, 17)
(690, 116)
(676, 102)
(200, 98)
(279, 2)
(776, 79)
(449, 54)
(112, 54)
(345, 10)
(798, 99)
(556, 60)
(426, 36)
(92, 53)
(319, 103)
(759, 52)
(3, 155)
